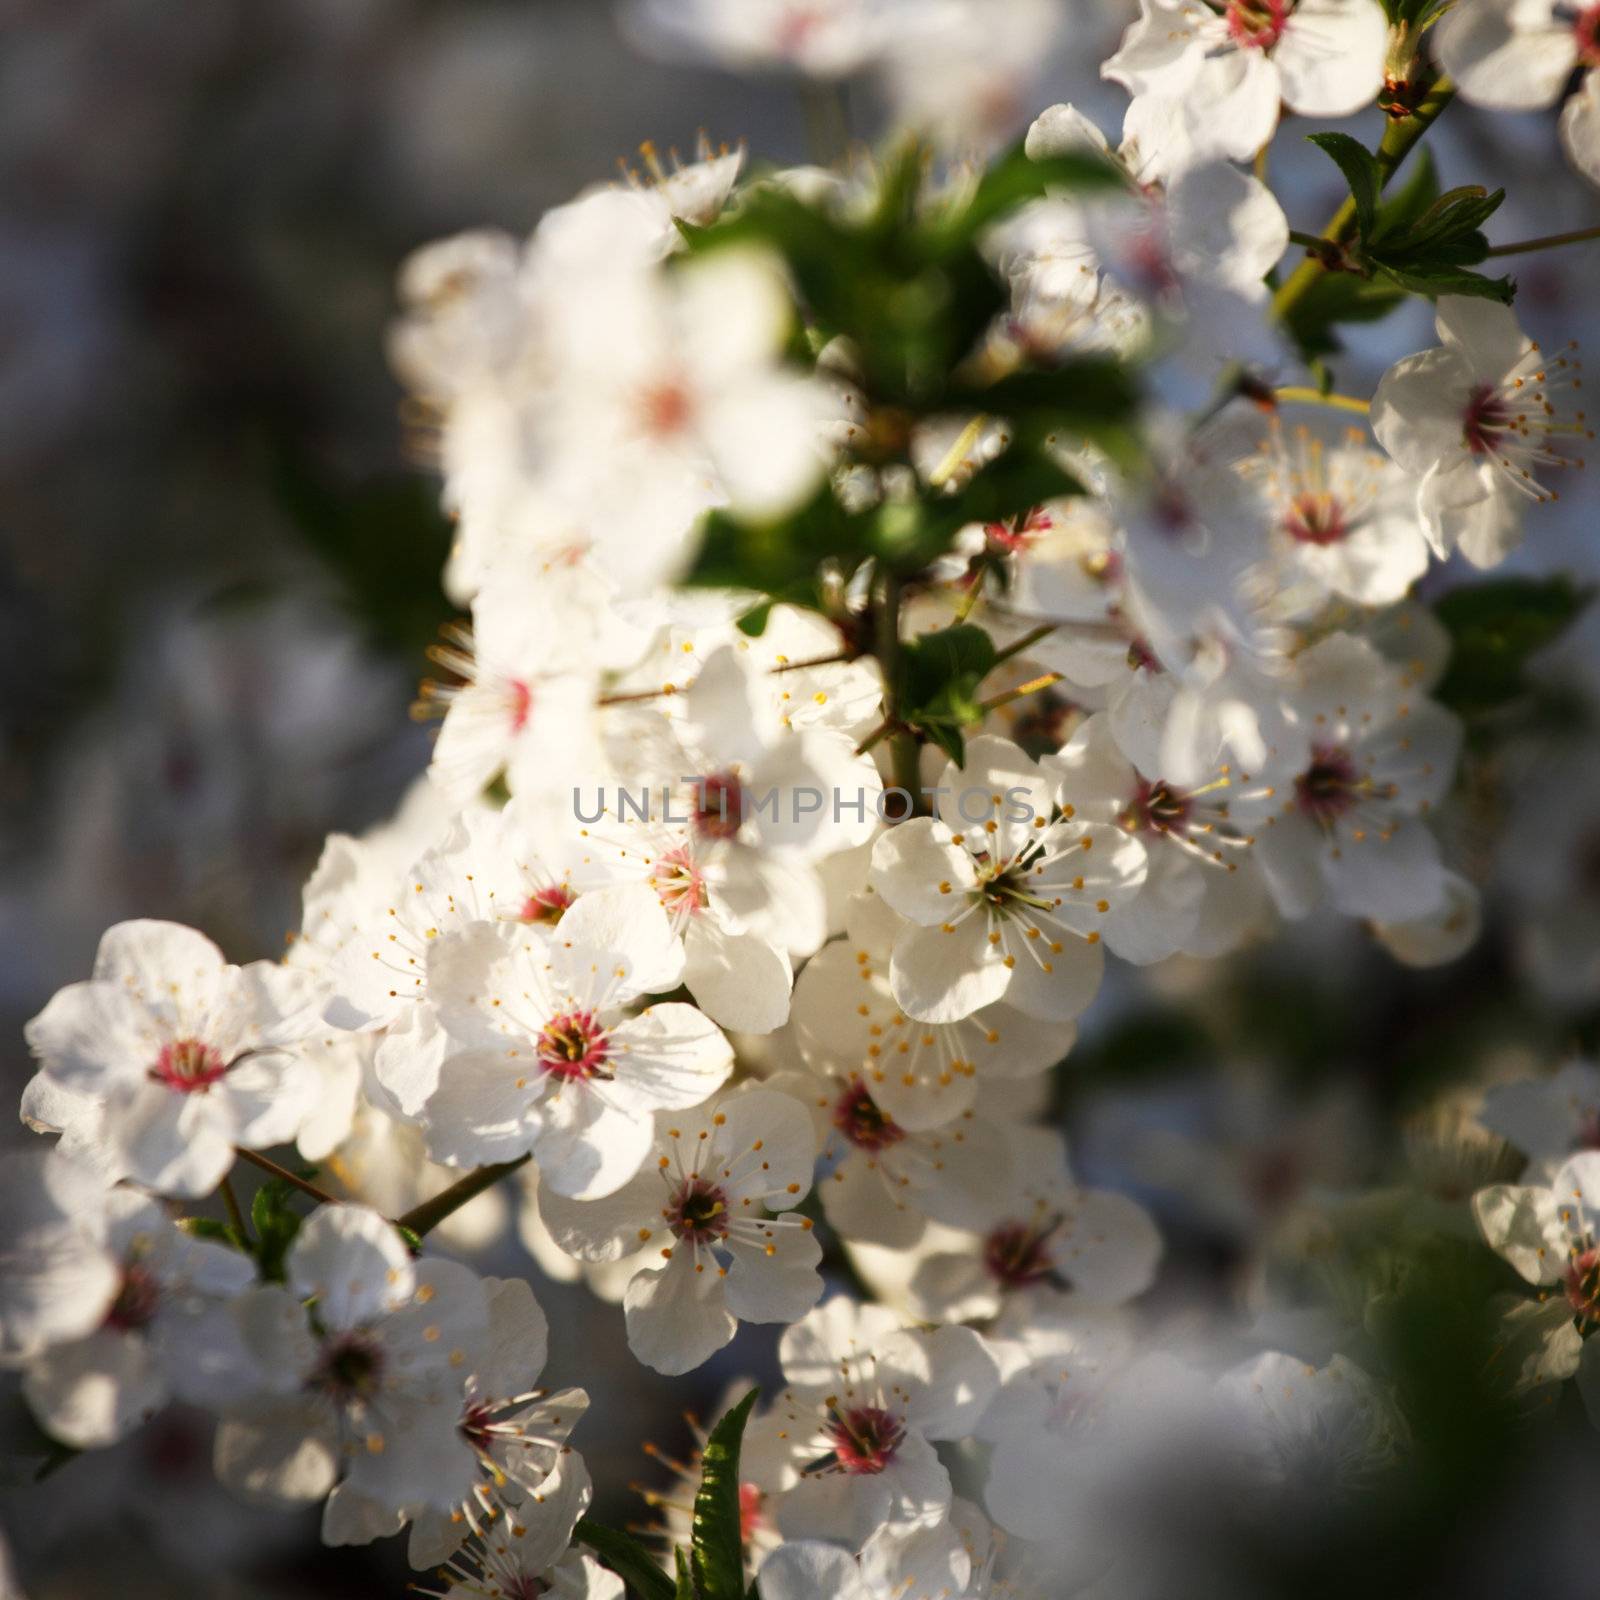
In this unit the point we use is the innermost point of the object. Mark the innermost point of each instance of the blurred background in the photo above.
(219, 569)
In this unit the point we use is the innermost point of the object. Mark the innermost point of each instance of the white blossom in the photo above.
(170, 1057)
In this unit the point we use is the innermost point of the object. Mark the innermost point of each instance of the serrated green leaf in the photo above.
(626, 1557)
(1402, 206)
(1453, 214)
(685, 1589)
(717, 1554)
(1433, 281)
(1361, 172)
(1496, 626)
(276, 1224)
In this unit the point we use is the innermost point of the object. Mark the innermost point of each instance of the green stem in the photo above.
(905, 751)
(1399, 138)
(1293, 396)
(1022, 691)
(1017, 646)
(424, 1218)
(1548, 242)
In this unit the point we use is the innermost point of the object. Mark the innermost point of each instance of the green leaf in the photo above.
(626, 1557)
(213, 1228)
(939, 677)
(1015, 178)
(685, 1590)
(1436, 280)
(276, 1223)
(1089, 395)
(717, 1557)
(780, 557)
(1361, 172)
(1496, 626)
(1402, 206)
(1453, 215)
(754, 622)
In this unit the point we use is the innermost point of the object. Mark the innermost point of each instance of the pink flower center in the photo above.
(1157, 808)
(521, 700)
(477, 1426)
(795, 27)
(1257, 24)
(574, 1045)
(1487, 416)
(547, 906)
(752, 1511)
(679, 884)
(857, 1116)
(698, 1212)
(1329, 786)
(1018, 1253)
(865, 1439)
(1315, 518)
(719, 806)
(1019, 535)
(189, 1066)
(138, 1297)
(1151, 263)
(665, 409)
(1582, 1284)
(1586, 29)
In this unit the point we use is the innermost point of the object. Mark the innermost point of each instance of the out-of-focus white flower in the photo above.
(170, 1056)
(1548, 1119)
(821, 38)
(1580, 128)
(896, 1563)
(703, 1207)
(165, 1332)
(365, 1387)
(678, 376)
(58, 1274)
(1482, 421)
(1518, 57)
(1439, 936)
(1311, 1434)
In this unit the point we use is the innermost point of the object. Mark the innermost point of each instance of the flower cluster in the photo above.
(897, 597)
